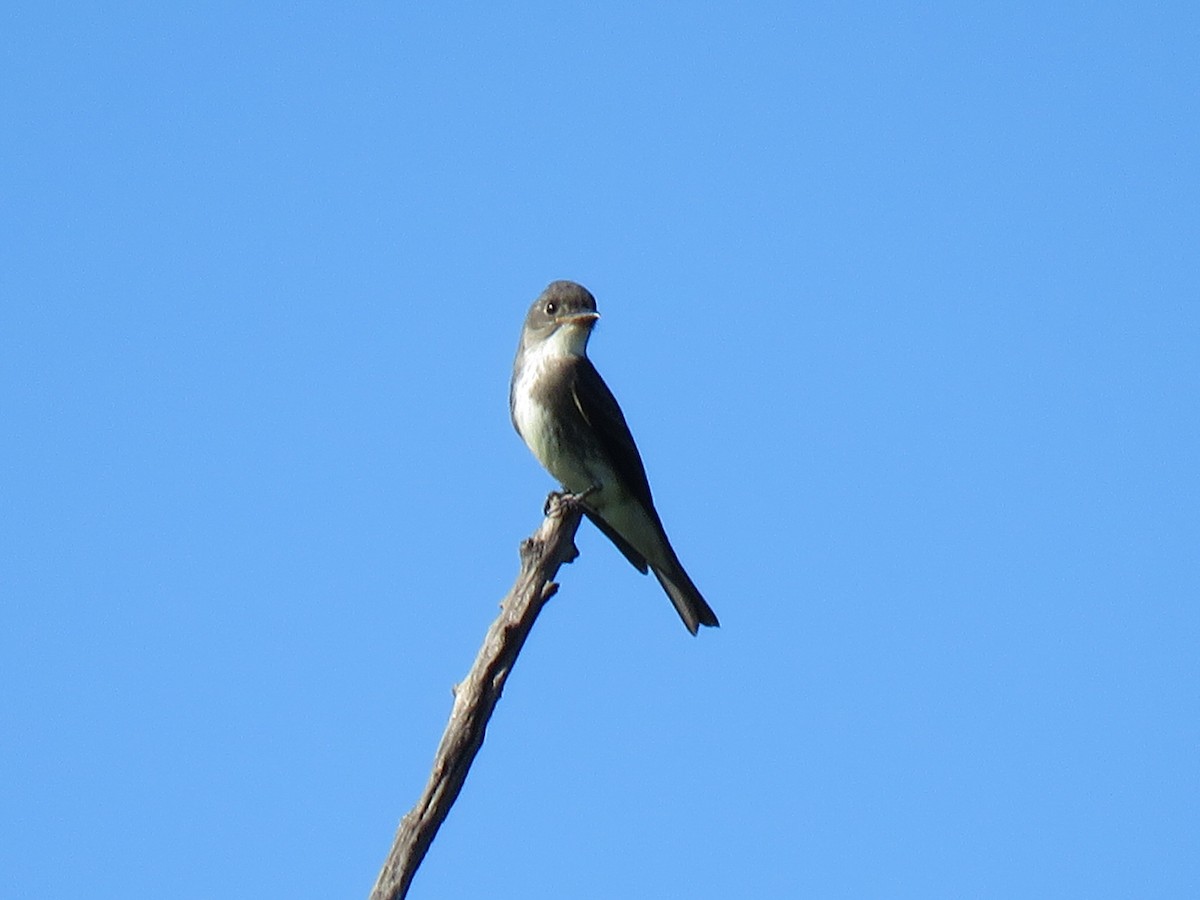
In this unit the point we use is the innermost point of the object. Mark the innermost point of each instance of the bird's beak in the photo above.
(583, 318)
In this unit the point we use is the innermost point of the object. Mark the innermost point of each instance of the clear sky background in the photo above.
(902, 304)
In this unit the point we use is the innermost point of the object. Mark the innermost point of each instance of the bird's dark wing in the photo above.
(599, 409)
(604, 418)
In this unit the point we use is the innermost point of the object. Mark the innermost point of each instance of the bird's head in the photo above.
(563, 314)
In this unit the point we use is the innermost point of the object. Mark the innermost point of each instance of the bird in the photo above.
(571, 422)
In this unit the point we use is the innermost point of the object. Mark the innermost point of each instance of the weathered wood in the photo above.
(476, 696)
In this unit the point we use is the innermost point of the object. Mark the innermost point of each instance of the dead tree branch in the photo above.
(475, 698)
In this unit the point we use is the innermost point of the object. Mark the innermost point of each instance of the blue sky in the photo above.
(902, 304)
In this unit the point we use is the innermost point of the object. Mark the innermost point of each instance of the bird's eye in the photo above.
(551, 308)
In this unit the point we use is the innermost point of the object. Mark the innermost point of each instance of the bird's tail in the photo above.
(686, 598)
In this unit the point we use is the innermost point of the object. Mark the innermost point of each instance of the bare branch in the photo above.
(475, 698)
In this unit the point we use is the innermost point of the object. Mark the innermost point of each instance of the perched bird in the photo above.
(569, 418)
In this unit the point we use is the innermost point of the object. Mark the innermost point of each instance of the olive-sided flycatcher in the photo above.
(569, 418)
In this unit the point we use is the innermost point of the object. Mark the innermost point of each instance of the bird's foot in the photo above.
(560, 501)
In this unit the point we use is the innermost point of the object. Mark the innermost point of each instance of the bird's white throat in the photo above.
(529, 415)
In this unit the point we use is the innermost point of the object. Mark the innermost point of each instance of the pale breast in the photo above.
(546, 436)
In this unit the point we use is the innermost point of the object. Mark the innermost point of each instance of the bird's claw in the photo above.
(558, 501)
